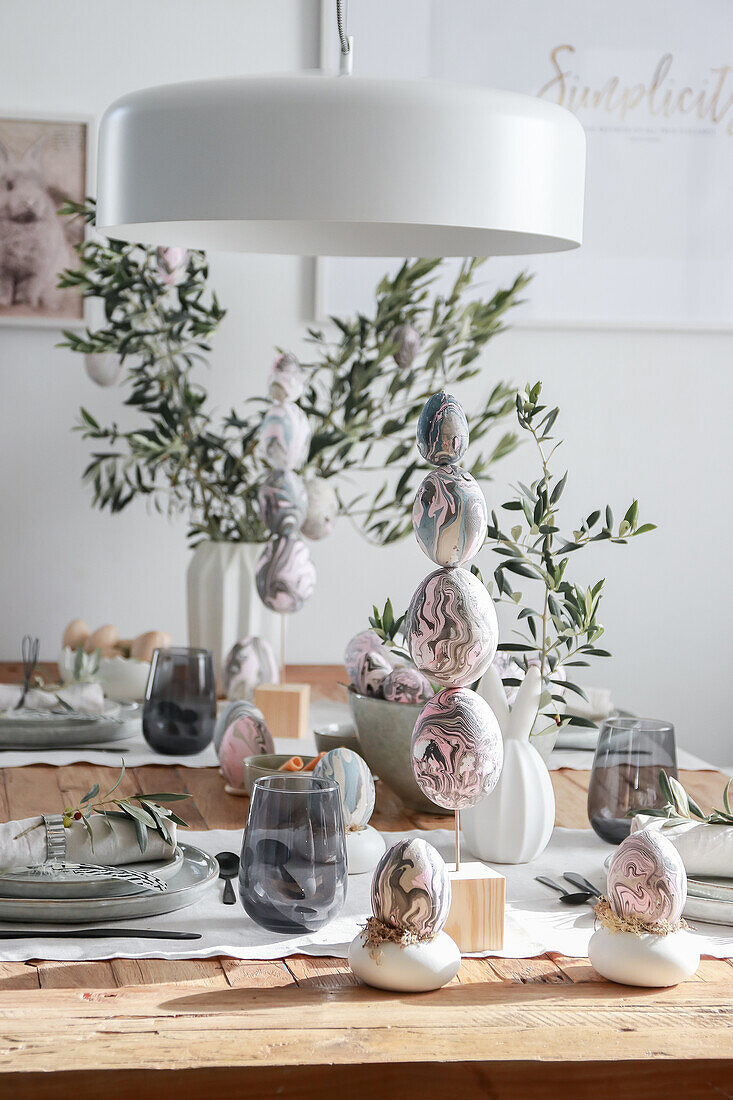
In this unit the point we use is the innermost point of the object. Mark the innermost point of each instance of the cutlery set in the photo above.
(585, 893)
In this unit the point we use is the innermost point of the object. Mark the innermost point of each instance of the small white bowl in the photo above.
(124, 678)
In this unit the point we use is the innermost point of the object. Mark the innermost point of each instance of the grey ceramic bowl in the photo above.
(259, 767)
(385, 732)
(337, 735)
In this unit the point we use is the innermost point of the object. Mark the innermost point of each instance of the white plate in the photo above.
(60, 731)
(65, 885)
(197, 873)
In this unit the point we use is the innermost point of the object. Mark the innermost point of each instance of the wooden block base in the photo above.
(285, 708)
(476, 918)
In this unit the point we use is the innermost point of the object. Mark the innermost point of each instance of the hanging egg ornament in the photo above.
(286, 380)
(457, 750)
(371, 671)
(286, 575)
(283, 501)
(355, 783)
(451, 627)
(442, 430)
(449, 516)
(246, 736)
(647, 879)
(407, 339)
(284, 436)
(407, 685)
(249, 663)
(411, 889)
(322, 510)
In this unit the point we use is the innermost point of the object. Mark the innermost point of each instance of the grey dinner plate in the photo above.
(60, 731)
(59, 885)
(195, 876)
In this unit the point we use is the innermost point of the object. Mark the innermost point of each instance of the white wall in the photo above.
(644, 414)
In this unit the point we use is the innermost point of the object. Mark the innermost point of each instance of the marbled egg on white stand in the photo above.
(246, 736)
(647, 883)
(442, 430)
(410, 893)
(449, 516)
(249, 663)
(451, 627)
(457, 750)
(364, 845)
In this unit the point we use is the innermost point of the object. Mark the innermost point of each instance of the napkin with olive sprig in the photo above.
(107, 831)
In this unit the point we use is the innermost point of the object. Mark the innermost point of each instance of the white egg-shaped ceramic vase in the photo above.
(364, 848)
(415, 968)
(647, 959)
(514, 823)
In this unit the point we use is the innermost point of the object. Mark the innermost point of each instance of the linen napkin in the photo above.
(112, 847)
(85, 698)
(705, 849)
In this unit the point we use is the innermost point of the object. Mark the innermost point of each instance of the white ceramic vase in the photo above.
(514, 823)
(223, 605)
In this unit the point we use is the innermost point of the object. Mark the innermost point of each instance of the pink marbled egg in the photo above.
(451, 627)
(248, 663)
(647, 878)
(407, 685)
(364, 642)
(457, 750)
(284, 436)
(286, 380)
(246, 736)
(371, 670)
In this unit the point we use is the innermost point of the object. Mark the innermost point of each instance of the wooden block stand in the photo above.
(476, 918)
(285, 708)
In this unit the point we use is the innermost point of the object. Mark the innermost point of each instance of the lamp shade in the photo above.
(317, 165)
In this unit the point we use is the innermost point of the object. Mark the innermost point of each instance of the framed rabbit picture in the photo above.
(43, 163)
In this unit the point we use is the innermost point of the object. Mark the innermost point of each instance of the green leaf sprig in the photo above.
(389, 628)
(681, 806)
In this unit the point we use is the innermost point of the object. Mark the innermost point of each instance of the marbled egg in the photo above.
(248, 663)
(323, 508)
(236, 709)
(457, 750)
(411, 889)
(442, 430)
(372, 669)
(407, 339)
(451, 627)
(286, 575)
(351, 773)
(284, 436)
(286, 380)
(449, 516)
(407, 685)
(283, 501)
(364, 642)
(647, 879)
(247, 735)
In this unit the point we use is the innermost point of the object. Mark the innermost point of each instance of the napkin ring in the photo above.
(55, 838)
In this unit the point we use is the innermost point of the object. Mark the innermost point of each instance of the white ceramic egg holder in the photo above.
(364, 845)
(364, 848)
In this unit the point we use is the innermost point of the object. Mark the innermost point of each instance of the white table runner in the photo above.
(138, 753)
(535, 921)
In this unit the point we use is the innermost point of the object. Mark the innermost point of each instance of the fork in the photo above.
(29, 656)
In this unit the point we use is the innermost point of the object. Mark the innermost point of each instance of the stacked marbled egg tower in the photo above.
(451, 626)
(286, 575)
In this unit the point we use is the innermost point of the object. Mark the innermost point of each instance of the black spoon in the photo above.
(228, 869)
(567, 898)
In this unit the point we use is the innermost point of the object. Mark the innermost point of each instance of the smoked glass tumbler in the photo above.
(179, 714)
(292, 875)
(629, 756)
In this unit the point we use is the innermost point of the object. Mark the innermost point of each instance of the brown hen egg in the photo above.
(142, 647)
(75, 634)
(104, 636)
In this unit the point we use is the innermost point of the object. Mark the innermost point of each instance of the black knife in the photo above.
(96, 934)
(581, 883)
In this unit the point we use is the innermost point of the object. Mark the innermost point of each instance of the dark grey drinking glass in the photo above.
(179, 714)
(292, 874)
(625, 776)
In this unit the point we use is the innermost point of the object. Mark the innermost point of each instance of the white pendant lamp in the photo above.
(341, 166)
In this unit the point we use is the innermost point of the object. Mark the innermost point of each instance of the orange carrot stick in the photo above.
(310, 766)
(294, 764)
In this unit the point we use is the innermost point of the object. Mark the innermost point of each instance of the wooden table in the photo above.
(539, 1027)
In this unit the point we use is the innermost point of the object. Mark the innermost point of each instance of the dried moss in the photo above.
(611, 920)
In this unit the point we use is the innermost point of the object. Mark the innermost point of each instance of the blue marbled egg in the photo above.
(355, 782)
(411, 889)
(283, 501)
(442, 430)
(449, 516)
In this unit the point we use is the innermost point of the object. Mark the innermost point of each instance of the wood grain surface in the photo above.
(543, 1027)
